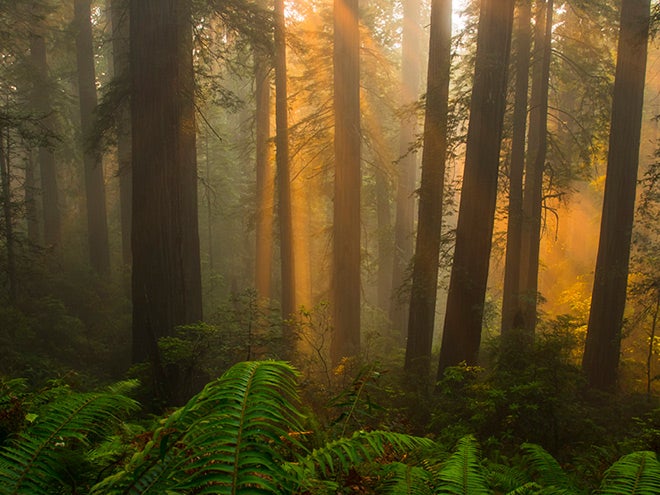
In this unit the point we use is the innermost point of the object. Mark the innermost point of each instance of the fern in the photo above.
(403, 479)
(32, 461)
(225, 440)
(546, 471)
(462, 473)
(634, 474)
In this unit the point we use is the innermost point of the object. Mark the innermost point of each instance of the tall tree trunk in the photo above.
(384, 228)
(31, 210)
(165, 239)
(97, 223)
(285, 212)
(537, 148)
(427, 248)
(411, 68)
(47, 170)
(265, 179)
(346, 226)
(120, 56)
(603, 345)
(469, 275)
(8, 217)
(510, 301)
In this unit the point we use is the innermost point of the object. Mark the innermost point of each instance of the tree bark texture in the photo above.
(511, 313)
(265, 178)
(285, 210)
(535, 167)
(120, 57)
(424, 290)
(346, 226)
(467, 286)
(166, 280)
(97, 223)
(603, 345)
(41, 101)
(411, 69)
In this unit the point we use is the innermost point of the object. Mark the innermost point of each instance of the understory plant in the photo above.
(245, 433)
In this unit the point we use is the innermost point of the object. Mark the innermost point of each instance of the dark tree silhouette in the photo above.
(602, 348)
(467, 286)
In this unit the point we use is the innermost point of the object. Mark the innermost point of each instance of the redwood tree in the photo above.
(427, 248)
(510, 297)
(602, 348)
(120, 52)
(411, 67)
(97, 222)
(166, 281)
(285, 213)
(535, 167)
(41, 101)
(469, 275)
(346, 226)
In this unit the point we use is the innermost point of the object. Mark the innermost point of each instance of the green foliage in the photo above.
(36, 459)
(546, 471)
(226, 439)
(462, 473)
(637, 473)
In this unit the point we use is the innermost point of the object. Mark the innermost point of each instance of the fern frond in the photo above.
(546, 471)
(340, 455)
(31, 462)
(403, 479)
(225, 440)
(634, 474)
(462, 473)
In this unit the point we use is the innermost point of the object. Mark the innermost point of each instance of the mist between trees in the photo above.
(461, 194)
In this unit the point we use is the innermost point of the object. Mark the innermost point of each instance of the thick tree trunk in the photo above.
(469, 275)
(47, 169)
(511, 312)
(346, 226)
(285, 212)
(537, 150)
(265, 179)
(120, 56)
(165, 239)
(427, 248)
(603, 344)
(97, 224)
(411, 69)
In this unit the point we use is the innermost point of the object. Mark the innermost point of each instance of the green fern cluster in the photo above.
(241, 435)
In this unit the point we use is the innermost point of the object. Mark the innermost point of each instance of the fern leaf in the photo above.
(225, 440)
(402, 479)
(546, 471)
(462, 473)
(31, 462)
(340, 455)
(634, 474)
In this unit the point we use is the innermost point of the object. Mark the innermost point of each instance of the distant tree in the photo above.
(535, 166)
(166, 280)
(265, 176)
(424, 289)
(522, 48)
(97, 223)
(602, 348)
(43, 109)
(120, 62)
(346, 224)
(467, 286)
(285, 213)
(411, 68)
